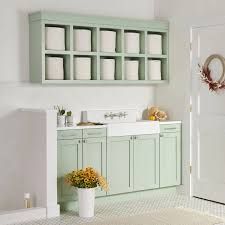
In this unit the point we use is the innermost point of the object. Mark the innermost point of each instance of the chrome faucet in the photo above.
(112, 115)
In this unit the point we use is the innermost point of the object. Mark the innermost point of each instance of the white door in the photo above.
(208, 118)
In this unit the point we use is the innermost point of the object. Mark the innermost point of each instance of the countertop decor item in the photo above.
(86, 180)
(69, 119)
(206, 73)
(154, 113)
(61, 118)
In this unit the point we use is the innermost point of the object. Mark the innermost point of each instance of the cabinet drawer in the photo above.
(69, 134)
(167, 128)
(91, 133)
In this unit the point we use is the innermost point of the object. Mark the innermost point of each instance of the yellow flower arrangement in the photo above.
(86, 178)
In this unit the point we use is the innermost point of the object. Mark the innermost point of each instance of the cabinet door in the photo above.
(94, 155)
(68, 157)
(120, 164)
(146, 162)
(170, 159)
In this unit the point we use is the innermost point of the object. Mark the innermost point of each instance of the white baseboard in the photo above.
(23, 215)
(53, 211)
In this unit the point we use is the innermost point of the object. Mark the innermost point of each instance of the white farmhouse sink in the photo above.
(134, 128)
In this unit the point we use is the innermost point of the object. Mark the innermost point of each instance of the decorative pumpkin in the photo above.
(154, 113)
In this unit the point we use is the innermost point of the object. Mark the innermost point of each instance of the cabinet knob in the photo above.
(135, 137)
(161, 135)
(131, 138)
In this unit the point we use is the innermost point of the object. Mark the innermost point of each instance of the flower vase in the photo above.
(61, 121)
(69, 121)
(86, 201)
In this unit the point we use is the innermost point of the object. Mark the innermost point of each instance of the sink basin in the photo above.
(135, 128)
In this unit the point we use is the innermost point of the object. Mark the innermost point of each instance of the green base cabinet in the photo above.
(94, 155)
(146, 162)
(130, 163)
(170, 156)
(78, 149)
(119, 164)
(133, 163)
(68, 154)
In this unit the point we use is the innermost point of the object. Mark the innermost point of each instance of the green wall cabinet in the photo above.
(94, 154)
(170, 156)
(38, 21)
(120, 164)
(146, 162)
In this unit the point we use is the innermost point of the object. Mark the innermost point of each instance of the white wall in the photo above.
(14, 93)
(175, 97)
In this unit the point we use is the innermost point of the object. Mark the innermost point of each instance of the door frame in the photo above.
(209, 22)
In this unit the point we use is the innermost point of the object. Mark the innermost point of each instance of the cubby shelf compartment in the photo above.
(40, 20)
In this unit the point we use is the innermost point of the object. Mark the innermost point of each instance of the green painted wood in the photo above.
(105, 82)
(95, 24)
(120, 164)
(94, 132)
(35, 51)
(146, 162)
(167, 128)
(68, 154)
(94, 155)
(112, 21)
(170, 159)
(69, 134)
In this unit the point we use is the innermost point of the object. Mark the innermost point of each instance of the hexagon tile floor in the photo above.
(135, 207)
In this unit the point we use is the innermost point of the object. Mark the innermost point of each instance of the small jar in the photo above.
(27, 201)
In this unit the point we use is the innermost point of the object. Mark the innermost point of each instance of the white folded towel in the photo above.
(107, 69)
(154, 70)
(54, 68)
(132, 42)
(54, 38)
(82, 68)
(131, 69)
(82, 40)
(107, 41)
(154, 44)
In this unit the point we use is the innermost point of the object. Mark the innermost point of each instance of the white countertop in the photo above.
(81, 127)
(169, 122)
(105, 126)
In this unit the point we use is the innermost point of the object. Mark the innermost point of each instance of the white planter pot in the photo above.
(86, 201)
(61, 121)
(69, 121)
